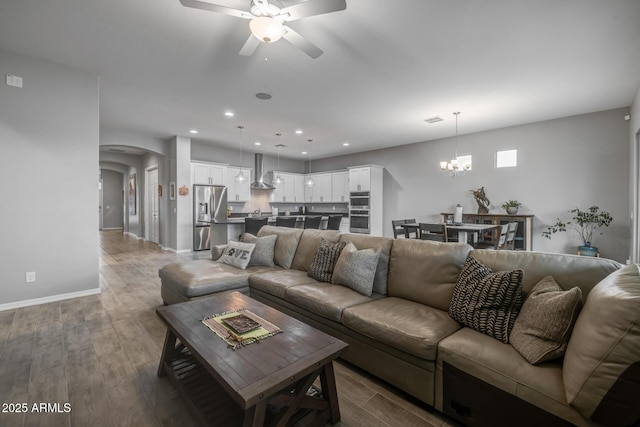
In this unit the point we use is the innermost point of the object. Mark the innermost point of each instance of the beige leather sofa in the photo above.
(404, 334)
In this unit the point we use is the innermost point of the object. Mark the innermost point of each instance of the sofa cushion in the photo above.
(324, 299)
(278, 281)
(543, 327)
(602, 361)
(430, 280)
(237, 254)
(501, 366)
(309, 241)
(567, 270)
(406, 325)
(264, 250)
(286, 244)
(383, 244)
(325, 260)
(487, 301)
(356, 269)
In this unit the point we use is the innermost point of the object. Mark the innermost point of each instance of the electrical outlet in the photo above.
(30, 276)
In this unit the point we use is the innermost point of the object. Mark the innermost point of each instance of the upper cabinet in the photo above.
(291, 190)
(340, 186)
(360, 179)
(238, 191)
(208, 173)
(321, 190)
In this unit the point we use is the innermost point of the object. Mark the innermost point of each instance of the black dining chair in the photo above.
(286, 221)
(312, 221)
(398, 230)
(497, 242)
(334, 222)
(253, 225)
(435, 232)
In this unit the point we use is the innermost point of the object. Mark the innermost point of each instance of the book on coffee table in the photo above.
(241, 324)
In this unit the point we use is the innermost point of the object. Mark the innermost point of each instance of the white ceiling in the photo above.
(388, 65)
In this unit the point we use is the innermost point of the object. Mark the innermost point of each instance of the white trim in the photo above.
(45, 300)
(111, 228)
(635, 199)
(133, 235)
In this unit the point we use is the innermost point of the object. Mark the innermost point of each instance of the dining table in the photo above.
(463, 230)
(411, 227)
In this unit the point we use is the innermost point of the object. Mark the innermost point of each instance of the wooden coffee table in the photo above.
(265, 383)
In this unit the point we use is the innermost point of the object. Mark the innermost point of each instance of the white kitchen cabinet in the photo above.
(208, 173)
(360, 179)
(289, 191)
(344, 225)
(340, 186)
(238, 191)
(321, 191)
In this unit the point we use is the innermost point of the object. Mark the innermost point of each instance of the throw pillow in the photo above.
(356, 269)
(264, 251)
(237, 254)
(487, 301)
(542, 330)
(325, 260)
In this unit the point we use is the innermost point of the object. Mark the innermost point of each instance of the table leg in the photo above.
(328, 384)
(462, 236)
(167, 352)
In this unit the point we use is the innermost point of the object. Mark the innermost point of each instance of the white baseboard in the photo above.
(135, 236)
(45, 300)
(111, 228)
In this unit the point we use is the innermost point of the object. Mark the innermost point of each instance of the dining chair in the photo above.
(253, 225)
(312, 221)
(510, 242)
(334, 222)
(397, 230)
(435, 232)
(497, 242)
(286, 221)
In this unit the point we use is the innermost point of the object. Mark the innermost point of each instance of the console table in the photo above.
(524, 235)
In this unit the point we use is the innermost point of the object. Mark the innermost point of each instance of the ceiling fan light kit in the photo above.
(267, 29)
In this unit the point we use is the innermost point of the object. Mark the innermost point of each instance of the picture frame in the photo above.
(172, 190)
(132, 194)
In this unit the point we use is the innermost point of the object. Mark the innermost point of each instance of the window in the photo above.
(506, 159)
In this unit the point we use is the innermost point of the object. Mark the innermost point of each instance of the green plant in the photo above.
(583, 222)
(511, 204)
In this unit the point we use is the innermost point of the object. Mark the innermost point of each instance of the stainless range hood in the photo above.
(259, 184)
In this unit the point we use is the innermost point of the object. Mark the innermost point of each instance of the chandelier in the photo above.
(309, 182)
(453, 167)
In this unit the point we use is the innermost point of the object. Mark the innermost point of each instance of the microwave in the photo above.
(359, 199)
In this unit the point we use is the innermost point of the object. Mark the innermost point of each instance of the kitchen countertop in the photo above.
(272, 218)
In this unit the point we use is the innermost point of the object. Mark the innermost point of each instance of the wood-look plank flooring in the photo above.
(99, 355)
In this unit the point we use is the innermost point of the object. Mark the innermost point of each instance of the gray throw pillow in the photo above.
(264, 250)
(356, 269)
(543, 328)
(325, 260)
(237, 254)
(487, 301)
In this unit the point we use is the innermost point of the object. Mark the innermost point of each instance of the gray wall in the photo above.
(564, 163)
(204, 152)
(112, 205)
(48, 169)
(634, 178)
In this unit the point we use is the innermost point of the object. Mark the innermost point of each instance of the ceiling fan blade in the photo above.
(217, 8)
(311, 8)
(250, 46)
(300, 42)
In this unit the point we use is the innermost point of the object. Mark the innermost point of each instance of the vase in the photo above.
(587, 250)
(512, 210)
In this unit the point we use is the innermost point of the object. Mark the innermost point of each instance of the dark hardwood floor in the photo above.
(92, 361)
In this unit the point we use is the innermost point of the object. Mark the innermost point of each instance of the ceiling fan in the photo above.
(267, 21)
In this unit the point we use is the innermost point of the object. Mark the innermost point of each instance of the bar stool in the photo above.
(312, 221)
(253, 225)
(286, 221)
(334, 222)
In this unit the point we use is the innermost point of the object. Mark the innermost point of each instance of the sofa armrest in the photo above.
(217, 251)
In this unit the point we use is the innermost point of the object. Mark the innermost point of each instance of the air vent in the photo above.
(433, 120)
(263, 95)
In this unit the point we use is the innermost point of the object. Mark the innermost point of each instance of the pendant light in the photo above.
(240, 178)
(453, 167)
(309, 182)
(278, 179)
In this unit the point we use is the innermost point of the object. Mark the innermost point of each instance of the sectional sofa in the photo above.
(404, 333)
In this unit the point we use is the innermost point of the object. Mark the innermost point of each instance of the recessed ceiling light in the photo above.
(257, 143)
(229, 113)
(304, 152)
(299, 131)
(193, 131)
(346, 144)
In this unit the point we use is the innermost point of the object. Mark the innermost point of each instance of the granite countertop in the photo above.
(272, 218)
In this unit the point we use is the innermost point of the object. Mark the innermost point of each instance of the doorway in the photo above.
(152, 206)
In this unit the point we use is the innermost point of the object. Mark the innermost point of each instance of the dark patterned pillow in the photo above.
(487, 301)
(324, 260)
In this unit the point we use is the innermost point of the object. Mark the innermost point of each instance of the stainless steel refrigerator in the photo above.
(209, 216)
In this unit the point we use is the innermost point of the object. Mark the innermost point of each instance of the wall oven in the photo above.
(359, 200)
(359, 221)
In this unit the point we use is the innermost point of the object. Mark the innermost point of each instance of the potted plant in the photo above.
(511, 206)
(584, 223)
